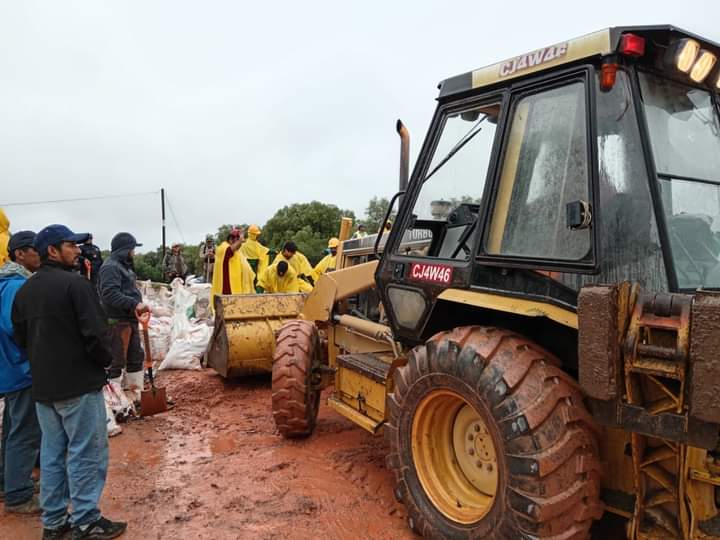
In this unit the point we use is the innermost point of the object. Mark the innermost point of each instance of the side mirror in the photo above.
(578, 215)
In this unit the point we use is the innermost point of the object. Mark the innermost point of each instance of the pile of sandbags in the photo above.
(190, 332)
(180, 340)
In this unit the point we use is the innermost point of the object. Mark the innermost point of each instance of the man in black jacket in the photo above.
(57, 318)
(123, 303)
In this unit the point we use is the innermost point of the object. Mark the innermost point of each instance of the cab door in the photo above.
(542, 212)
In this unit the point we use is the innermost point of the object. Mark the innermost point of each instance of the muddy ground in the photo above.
(215, 468)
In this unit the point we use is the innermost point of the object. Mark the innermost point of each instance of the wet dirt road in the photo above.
(215, 468)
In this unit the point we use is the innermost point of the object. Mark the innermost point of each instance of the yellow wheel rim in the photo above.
(455, 456)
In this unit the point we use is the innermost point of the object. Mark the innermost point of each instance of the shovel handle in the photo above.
(144, 320)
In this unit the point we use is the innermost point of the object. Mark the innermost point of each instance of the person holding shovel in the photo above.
(123, 303)
(58, 320)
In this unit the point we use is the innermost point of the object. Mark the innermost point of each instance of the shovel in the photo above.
(152, 401)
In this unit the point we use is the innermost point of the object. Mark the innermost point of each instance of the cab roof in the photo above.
(587, 47)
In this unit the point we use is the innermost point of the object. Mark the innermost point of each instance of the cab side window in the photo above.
(444, 222)
(545, 167)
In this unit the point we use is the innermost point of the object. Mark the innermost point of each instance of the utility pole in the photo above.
(162, 209)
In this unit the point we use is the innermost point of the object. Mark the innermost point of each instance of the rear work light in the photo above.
(705, 62)
(632, 45)
(684, 53)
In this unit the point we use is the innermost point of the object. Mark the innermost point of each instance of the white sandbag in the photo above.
(202, 302)
(117, 406)
(118, 402)
(183, 310)
(185, 352)
(159, 333)
(112, 426)
(158, 297)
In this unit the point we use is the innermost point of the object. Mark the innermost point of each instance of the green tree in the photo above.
(147, 265)
(309, 225)
(191, 255)
(375, 212)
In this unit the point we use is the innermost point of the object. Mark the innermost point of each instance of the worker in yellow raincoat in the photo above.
(232, 273)
(255, 253)
(296, 259)
(327, 263)
(4, 237)
(280, 277)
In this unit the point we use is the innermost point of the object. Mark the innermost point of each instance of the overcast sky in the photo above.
(239, 108)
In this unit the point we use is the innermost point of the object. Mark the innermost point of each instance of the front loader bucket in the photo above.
(243, 341)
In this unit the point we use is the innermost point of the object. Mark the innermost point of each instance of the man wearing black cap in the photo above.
(123, 303)
(58, 320)
(20, 442)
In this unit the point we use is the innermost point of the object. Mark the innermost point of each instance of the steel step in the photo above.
(367, 365)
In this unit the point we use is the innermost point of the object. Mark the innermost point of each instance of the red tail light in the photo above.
(632, 45)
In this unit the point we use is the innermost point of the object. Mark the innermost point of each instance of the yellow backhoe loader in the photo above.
(537, 336)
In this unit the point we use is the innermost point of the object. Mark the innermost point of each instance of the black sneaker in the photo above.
(57, 534)
(102, 529)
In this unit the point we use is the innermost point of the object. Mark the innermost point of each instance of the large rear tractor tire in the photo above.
(490, 439)
(295, 395)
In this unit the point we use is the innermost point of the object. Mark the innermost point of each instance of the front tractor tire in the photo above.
(490, 439)
(295, 395)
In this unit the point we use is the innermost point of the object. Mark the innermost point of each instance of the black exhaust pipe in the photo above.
(404, 154)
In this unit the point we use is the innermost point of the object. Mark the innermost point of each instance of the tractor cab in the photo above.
(595, 160)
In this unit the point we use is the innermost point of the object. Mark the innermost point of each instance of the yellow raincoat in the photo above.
(242, 277)
(255, 251)
(4, 237)
(289, 283)
(299, 263)
(326, 264)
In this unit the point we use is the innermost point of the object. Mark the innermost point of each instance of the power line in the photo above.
(96, 198)
(172, 213)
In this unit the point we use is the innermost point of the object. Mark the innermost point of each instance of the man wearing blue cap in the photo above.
(20, 442)
(58, 320)
(123, 303)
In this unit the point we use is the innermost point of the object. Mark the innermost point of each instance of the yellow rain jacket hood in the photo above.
(326, 264)
(242, 277)
(289, 283)
(4, 237)
(298, 262)
(255, 251)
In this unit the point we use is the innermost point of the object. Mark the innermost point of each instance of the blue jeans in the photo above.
(73, 459)
(19, 446)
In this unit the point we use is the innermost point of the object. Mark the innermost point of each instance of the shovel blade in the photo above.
(153, 401)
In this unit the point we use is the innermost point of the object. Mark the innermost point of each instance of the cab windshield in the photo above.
(685, 135)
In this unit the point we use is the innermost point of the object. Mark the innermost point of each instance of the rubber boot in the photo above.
(135, 381)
